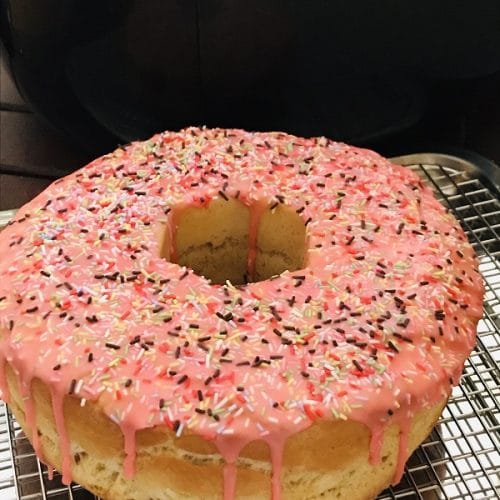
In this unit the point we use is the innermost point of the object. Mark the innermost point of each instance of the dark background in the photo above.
(389, 75)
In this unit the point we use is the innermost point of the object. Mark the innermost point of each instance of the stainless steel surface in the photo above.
(461, 457)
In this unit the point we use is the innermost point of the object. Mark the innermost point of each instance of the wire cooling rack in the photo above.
(461, 457)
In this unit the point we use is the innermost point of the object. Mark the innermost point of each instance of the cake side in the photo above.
(330, 458)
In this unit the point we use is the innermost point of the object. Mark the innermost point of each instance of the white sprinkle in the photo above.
(179, 430)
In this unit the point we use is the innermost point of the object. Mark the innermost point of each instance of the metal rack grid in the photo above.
(461, 457)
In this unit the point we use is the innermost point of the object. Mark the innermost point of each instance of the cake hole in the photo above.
(227, 240)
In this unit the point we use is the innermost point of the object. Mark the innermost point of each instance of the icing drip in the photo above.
(230, 449)
(171, 229)
(376, 441)
(404, 430)
(130, 450)
(64, 444)
(277, 447)
(230, 475)
(256, 211)
(29, 409)
(4, 389)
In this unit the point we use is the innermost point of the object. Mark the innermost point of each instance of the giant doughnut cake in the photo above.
(222, 314)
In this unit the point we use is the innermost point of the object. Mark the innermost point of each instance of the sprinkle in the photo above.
(225, 317)
(72, 386)
(403, 337)
(393, 346)
(275, 313)
(404, 323)
(223, 195)
(439, 314)
(112, 346)
(357, 365)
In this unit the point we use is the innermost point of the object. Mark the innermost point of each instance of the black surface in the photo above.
(111, 71)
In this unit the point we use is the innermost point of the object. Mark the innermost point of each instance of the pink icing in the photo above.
(404, 430)
(64, 443)
(230, 448)
(30, 416)
(276, 444)
(256, 211)
(130, 451)
(376, 441)
(4, 390)
(376, 327)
